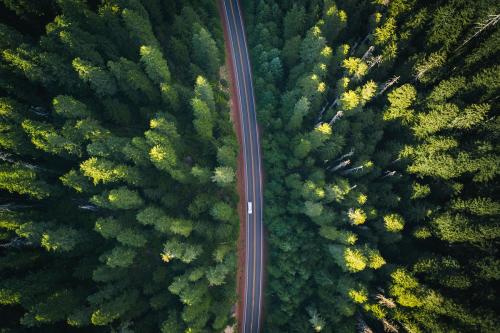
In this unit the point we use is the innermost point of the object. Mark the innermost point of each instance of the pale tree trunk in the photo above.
(9, 207)
(490, 21)
(339, 166)
(373, 61)
(388, 84)
(352, 170)
(362, 326)
(89, 207)
(368, 53)
(349, 154)
(384, 301)
(389, 174)
(389, 327)
(337, 116)
(323, 109)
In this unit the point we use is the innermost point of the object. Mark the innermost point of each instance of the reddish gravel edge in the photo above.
(240, 177)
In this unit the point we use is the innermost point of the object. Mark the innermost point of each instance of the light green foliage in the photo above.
(300, 109)
(222, 211)
(223, 176)
(174, 249)
(139, 27)
(355, 67)
(155, 65)
(99, 79)
(203, 122)
(316, 321)
(22, 180)
(350, 100)
(45, 137)
(119, 257)
(103, 171)
(131, 78)
(357, 216)
(394, 222)
(313, 209)
(103, 175)
(354, 260)
(400, 101)
(68, 107)
(119, 198)
(385, 32)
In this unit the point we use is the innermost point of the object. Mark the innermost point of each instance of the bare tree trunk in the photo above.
(89, 207)
(362, 326)
(352, 170)
(388, 84)
(384, 301)
(373, 61)
(490, 21)
(323, 109)
(9, 207)
(337, 116)
(368, 53)
(349, 154)
(389, 174)
(389, 327)
(339, 166)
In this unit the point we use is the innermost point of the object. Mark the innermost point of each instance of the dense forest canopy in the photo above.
(380, 137)
(117, 164)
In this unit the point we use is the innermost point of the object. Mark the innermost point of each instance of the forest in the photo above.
(380, 137)
(117, 168)
(118, 161)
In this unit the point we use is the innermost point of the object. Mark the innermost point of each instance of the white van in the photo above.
(249, 207)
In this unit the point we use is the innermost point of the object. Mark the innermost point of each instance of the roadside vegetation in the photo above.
(380, 141)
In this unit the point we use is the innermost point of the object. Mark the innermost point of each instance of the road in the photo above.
(242, 77)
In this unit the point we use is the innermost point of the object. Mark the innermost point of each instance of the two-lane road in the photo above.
(238, 51)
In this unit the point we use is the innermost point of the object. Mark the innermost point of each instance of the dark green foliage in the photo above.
(117, 196)
(380, 148)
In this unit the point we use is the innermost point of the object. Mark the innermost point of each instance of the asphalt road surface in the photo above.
(252, 300)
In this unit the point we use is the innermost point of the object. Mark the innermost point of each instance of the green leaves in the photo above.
(17, 178)
(119, 198)
(155, 65)
(68, 107)
(223, 176)
(99, 79)
(205, 52)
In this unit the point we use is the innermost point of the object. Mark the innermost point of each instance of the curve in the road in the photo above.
(238, 50)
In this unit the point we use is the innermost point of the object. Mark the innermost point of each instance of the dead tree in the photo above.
(388, 84)
(339, 166)
(349, 154)
(490, 21)
(337, 116)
